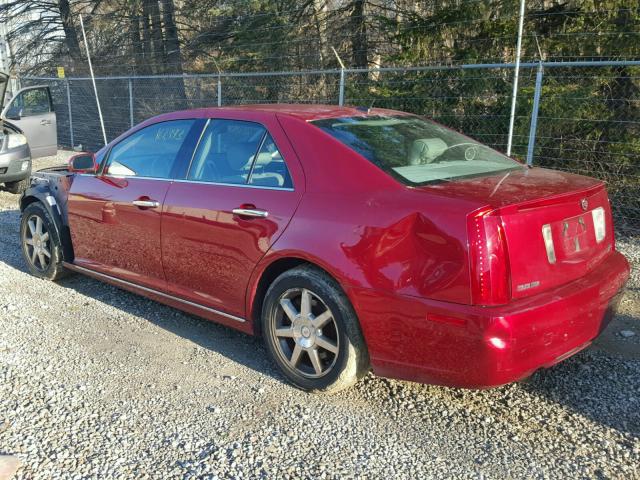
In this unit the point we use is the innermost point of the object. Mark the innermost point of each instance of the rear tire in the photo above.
(41, 246)
(312, 333)
(18, 187)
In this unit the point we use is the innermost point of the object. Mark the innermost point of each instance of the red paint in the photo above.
(442, 277)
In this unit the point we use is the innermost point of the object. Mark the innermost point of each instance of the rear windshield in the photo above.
(414, 150)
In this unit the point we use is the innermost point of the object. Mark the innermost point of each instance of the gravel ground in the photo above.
(99, 383)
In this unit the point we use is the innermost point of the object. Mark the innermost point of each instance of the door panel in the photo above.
(115, 216)
(31, 109)
(112, 235)
(208, 251)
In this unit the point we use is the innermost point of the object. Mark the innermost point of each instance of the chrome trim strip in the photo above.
(155, 292)
(196, 182)
(242, 185)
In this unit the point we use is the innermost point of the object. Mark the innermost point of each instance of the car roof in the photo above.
(305, 112)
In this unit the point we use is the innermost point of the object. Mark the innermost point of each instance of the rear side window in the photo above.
(269, 169)
(150, 152)
(226, 152)
(239, 153)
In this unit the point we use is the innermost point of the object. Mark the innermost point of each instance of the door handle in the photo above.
(250, 212)
(146, 203)
(45, 122)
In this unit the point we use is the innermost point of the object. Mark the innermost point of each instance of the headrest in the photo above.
(426, 150)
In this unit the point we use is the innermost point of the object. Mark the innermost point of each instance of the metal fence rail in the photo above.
(581, 117)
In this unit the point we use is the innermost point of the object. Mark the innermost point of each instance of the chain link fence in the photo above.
(580, 117)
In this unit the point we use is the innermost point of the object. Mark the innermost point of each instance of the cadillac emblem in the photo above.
(584, 204)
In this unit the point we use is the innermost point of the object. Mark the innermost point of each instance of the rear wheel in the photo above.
(41, 246)
(17, 187)
(312, 332)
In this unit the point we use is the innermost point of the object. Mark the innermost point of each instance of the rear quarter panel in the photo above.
(369, 231)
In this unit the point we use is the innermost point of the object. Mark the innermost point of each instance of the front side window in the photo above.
(150, 152)
(414, 150)
(31, 102)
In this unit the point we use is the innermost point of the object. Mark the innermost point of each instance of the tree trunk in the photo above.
(134, 38)
(146, 38)
(174, 57)
(159, 55)
(70, 33)
(359, 44)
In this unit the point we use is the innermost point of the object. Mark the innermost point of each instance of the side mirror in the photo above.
(83, 163)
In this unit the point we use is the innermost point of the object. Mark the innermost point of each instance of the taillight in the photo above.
(490, 280)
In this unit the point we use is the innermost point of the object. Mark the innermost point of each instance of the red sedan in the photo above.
(350, 239)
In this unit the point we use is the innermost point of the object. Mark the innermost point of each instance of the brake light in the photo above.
(489, 260)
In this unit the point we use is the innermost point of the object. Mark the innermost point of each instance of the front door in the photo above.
(237, 199)
(115, 216)
(31, 109)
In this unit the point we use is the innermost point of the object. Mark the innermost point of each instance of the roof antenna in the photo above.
(93, 79)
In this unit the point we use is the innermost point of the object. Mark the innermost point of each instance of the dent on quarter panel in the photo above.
(412, 254)
(391, 243)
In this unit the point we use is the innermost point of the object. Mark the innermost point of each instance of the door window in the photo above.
(226, 152)
(150, 152)
(269, 169)
(35, 101)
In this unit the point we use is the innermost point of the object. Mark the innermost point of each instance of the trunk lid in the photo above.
(548, 223)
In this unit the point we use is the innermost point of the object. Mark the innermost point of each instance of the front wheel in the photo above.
(312, 332)
(41, 246)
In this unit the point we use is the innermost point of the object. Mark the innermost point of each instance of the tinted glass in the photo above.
(226, 152)
(150, 152)
(414, 150)
(269, 169)
(31, 102)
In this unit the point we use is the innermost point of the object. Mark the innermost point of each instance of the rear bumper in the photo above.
(11, 164)
(478, 347)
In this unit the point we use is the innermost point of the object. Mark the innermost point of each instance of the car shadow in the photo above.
(588, 383)
(235, 345)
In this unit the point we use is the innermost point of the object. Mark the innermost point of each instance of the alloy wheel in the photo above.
(305, 333)
(37, 243)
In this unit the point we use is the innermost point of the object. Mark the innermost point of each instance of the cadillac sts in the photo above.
(350, 239)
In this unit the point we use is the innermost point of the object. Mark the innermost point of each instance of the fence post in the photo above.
(341, 94)
(534, 114)
(131, 103)
(219, 91)
(70, 115)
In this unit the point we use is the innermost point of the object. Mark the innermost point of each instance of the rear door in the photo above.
(242, 189)
(115, 216)
(31, 109)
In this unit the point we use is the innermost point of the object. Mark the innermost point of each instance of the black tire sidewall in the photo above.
(55, 264)
(342, 314)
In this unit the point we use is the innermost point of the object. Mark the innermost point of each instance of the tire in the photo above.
(19, 186)
(329, 349)
(37, 231)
